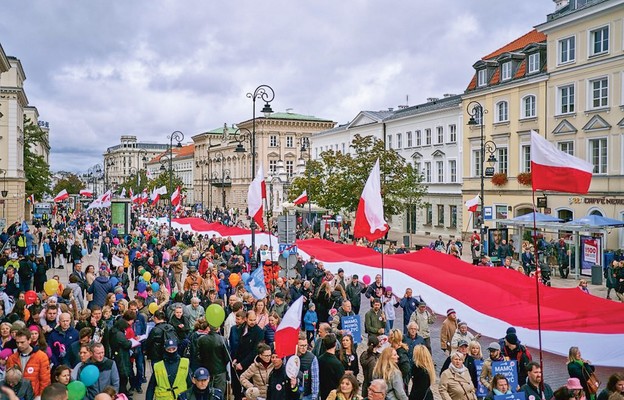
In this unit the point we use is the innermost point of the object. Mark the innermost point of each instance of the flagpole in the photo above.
(538, 271)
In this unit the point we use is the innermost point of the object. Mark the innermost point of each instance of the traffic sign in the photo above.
(290, 247)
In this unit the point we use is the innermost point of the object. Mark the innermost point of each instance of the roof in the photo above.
(568, 9)
(531, 37)
(219, 130)
(294, 116)
(178, 152)
(437, 105)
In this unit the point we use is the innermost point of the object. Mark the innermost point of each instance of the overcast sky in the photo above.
(99, 69)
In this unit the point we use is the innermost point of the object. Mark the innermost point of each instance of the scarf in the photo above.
(456, 370)
(498, 392)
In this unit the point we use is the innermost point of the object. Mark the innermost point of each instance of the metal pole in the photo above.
(252, 225)
(170, 177)
(482, 219)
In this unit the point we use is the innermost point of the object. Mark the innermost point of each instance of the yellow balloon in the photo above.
(153, 307)
(147, 276)
(51, 287)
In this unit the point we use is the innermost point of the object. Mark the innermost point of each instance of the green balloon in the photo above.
(154, 240)
(215, 315)
(76, 390)
(141, 271)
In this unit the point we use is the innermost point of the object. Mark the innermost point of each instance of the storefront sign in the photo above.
(596, 200)
(591, 253)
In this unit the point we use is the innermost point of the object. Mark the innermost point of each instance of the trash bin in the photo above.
(596, 275)
(418, 247)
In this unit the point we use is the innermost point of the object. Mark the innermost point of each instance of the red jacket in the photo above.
(37, 369)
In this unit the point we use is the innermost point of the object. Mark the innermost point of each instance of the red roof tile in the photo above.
(473, 83)
(178, 152)
(496, 77)
(521, 70)
(532, 37)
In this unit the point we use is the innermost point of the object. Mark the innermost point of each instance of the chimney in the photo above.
(559, 4)
(447, 95)
(432, 99)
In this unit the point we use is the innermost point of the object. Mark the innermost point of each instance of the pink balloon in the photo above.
(116, 241)
(366, 279)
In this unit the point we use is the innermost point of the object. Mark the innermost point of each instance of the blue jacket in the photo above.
(60, 343)
(140, 325)
(100, 287)
(310, 318)
(409, 305)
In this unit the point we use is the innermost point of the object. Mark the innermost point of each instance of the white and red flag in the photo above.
(176, 197)
(86, 193)
(553, 169)
(144, 198)
(156, 193)
(62, 195)
(123, 193)
(473, 204)
(369, 218)
(302, 199)
(287, 333)
(257, 193)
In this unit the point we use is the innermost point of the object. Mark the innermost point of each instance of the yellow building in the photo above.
(586, 103)
(509, 85)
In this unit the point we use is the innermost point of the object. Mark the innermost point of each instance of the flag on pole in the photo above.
(473, 204)
(31, 199)
(86, 193)
(144, 197)
(553, 169)
(369, 218)
(176, 197)
(257, 192)
(62, 195)
(302, 199)
(156, 193)
(257, 287)
(287, 333)
(123, 193)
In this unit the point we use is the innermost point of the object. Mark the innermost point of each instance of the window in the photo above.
(389, 141)
(429, 212)
(598, 155)
(526, 158)
(534, 63)
(502, 111)
(411, 218)
(528, 106)
(418, 138)
(290, 167)
(453, 215)
(506, 71)
(452, 133)
(427, 137)
(440, 134)
(289, 141)
(440, 214)
(567, 50)
(272, 166)
(427, 171)
(418, 167)
(599, 92)
(408, 137)
(599, 41)
(502, 160)
(476, 158)
(440, 169)
(343, 148)
(482, 77)
(567, 147)
(566, 99)
(273, 141)
(399, 143)
(452, 171)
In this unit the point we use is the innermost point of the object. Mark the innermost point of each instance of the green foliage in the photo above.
(36, 169)
(163, 180)
(336, 180)
(71, 183)
(136, 182)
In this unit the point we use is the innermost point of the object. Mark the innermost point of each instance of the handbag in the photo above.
(592, 382)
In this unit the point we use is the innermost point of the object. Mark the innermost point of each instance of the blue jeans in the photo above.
(389, 325)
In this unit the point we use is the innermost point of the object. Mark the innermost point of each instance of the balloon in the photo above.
(215, 315)
(155, 287)
(286, 254)
(141, 286)
(147, 276)
(114, 281)
(30, 297)
(154, 240)
(116, 241)
(366, 279)
(141, 280)
(84, 252)
(153, 307)
(51, 287)
(245, 277)
(234, 279)
(141, 271)
(89, 375)
(77, 390)
(119, 296)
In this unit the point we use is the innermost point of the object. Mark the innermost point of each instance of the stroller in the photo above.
(546, 273)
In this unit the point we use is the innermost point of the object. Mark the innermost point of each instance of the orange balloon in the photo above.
(234, 279)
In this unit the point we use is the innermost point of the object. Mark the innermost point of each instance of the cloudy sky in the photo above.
(100, 69)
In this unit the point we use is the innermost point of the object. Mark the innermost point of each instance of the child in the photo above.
(223, 286)
(310, 319)
(583, 286)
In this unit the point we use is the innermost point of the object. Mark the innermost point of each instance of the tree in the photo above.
(71, 183)
(136, 182)
(36, 169)
(336, 180)
(163, 180)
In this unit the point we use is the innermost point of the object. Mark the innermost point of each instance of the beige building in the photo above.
(182, 164)
(585, 103)
(42, 149)
(127, 158)
(510, 85)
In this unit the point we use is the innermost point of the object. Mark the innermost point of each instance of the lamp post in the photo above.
(477, 112)
(178, 137)
(107, 166)
(4, 193)
(200, 164)
(305, 148)
(95, 173)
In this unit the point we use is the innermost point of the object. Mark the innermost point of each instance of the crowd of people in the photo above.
(136, 316)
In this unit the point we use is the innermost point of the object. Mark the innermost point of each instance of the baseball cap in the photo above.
(462, 343)
(171, 344)
(494, 346)
(201, 374)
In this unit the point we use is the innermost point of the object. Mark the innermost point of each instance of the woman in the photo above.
(348, 355)
(20, 310)
(500, 386)
(38, 340)
(396, 341)
(62, 374)
(323, 302)
(90, 277)
(455, 382)
(85, 355)
(387, 368)
(474, 355)
(581, 369)
(261, 313)
(615, 387)
(423, 374)
(347, 389)
(257, 375)
(120, 346)
(271, 328)
(368, 359)
(76, 252)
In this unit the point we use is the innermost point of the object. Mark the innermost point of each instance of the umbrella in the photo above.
(597, 221)
(539, 217)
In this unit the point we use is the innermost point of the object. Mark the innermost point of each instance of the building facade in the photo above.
(182, 164)
(127, 158)
(42, 149)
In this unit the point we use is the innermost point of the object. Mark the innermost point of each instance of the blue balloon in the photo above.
(89, 375)
(286, 254)
(141, 286)
(114, 281)
(245, 277)
(155, 287)
(119, 296)
(141, 280)
(84, 252)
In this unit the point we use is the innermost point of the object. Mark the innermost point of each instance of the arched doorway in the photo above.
(565, 214)
(523, 210)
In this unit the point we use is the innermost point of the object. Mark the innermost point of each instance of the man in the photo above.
(513, 350)
(140, 328)
(377, 390)
(375, 290)
(423, 318)
(169, 378)
(323, 330)
(194, 291)
(532, 388)
(412, 339)
(448, 329)
(409, 305)
(250, 335)
(122, 277)
(402, 249)
(56, 391)
(375, 320)
(309, 267)
(177, 265)
(25, 272)
(336, 323)
(191, 278)
(504, 250)
(462, 333)
(200, 389)
(100, 288)
(157, 336)
(340, 279)
(280, 386)
(330, 367)
(528, 260)
(50, 320)
(309, 368)
(280, 307)
(105, 250)
(193, 311)
(109, 374)
(507, 263)
(61, 339)
(34, 363)
(80, 275)
(486, 371)
(354, 292)
(213, 355)
(85, 336)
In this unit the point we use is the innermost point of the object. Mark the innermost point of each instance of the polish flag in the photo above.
(473, 204)
(86, 193)
(302, 199)
(553, 169)
(144, 197)
(123, 193)
(105, 199)
(287, 333)
(257, 192)
(369, 218)
(176, 198)
(62, 195)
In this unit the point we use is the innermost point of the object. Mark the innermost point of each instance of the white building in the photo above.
(182, 164)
